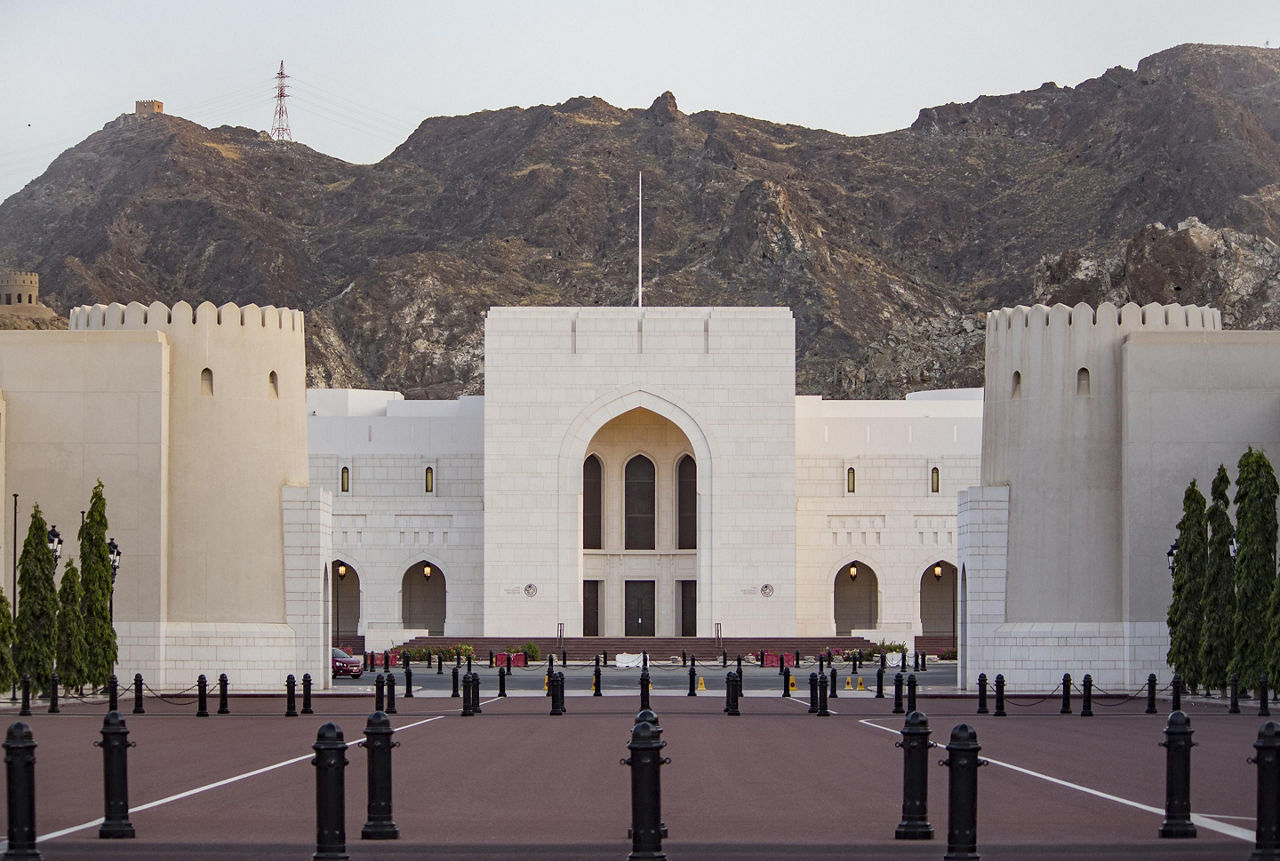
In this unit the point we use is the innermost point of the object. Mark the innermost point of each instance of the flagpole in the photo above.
(640, 240)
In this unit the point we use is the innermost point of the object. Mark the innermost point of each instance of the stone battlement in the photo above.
(1129, 316)
(159, 316)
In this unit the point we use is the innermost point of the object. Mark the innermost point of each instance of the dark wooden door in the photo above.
(639, 605)
(688, 608)
(591, 608)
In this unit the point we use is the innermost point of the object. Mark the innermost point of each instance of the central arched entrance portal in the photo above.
(639, 529)
(423, 598)
(857, 598)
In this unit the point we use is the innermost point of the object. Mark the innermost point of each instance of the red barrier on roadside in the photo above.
(771, 660)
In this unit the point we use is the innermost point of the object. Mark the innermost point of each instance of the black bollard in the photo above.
(502, 681)
(999, 712)
(897, 694)
(386, 661)
(904, 660)
(223, 708)
(982, 693)
(557, 694)
(797, 657)
(469, 664)
(1234, 685)
(880, 683)
(564, 658)
(25, 711)
(379, 693)
(1177, 777)
(1176, 684)
(377, 747)
(915, 746)
(290, 696)
(822, 696)
(368, 662)
(115, 777)
(408, 682)
(693, 682)
(646, 831)
(404, 659)
(915, 662)
(202, 696)
(781, 663)
(491, 659)
(475, 694)
(457, 660)
(911, 693)
(455, 683)
(467, 711)
(684, 658)
(962, 796)
(429, 659)
(1066, 695)
(1264, 697)
(731, 694)
(924, 662)
(834, 680)
(1267, 837)
(391, 694)
(724, 659)
(137, 694)
(20, 781)
(53, 694)
(604, 656)
(597, 684)
(1086, 708)
(306, 694)
(1151, 694)
(693, 661)
(761, 658)
(439, 667)
(883, 656)
(644, 689)
(786, 681)
(330, 762)
(508, 663)
(644, 658)
(551, 671)
(813, 693)
(821, 667)
(739, 675)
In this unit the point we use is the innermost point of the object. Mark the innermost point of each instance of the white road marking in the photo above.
(215, 785)
(1199, 819)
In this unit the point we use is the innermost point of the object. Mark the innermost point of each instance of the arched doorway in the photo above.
(422, 598)
(345, 600)
(938, 605)
(857, 598)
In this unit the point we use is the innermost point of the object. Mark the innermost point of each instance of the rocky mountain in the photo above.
(888, 248)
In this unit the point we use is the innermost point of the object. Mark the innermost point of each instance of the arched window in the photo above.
(429, 480)
(206, 382)
(1017, 384)
(274, 382)
(640, 504)
(933, 480)
(850, 481)
(1082, 381)
(346, 480)
(592, 502)
(686, 504)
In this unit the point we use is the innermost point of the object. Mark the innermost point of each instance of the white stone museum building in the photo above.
(630, 472)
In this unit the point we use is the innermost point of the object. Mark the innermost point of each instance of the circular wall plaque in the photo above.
(766, 590)
(530, 590)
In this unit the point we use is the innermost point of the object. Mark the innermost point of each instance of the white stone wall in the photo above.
(724, 376)
(893, 522)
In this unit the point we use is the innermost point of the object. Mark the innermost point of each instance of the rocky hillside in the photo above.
(888, 248)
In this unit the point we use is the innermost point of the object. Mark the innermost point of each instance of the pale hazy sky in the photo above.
(366, 73)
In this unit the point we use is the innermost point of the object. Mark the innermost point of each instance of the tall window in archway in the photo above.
(429, 480)
(640, 504)
(592, 501)
(933, 480)
(686, 504)
(345, 480)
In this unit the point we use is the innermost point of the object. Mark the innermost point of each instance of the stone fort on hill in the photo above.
(631, 472)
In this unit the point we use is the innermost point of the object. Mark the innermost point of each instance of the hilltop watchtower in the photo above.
(148, 106)
(19, 289)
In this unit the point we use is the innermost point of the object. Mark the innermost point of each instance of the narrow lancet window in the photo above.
(345, 480)
(429, 480)
(850, 481)
(933, 480)
(206, 382)
(592, 503)
(687, 504)
(640, 504)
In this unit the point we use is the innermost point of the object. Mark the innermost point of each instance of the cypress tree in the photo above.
(8, 672)
(37, 635)
(71, 650)
(1255, 573)
(1189, 564)
(1219, 597)
(95, 577)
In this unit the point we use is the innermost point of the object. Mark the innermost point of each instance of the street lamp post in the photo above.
(55, 546)
(1173, 551)
(113, 550)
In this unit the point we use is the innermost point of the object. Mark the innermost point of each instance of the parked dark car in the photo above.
(345, 665)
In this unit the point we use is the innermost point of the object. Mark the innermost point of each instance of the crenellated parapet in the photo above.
(161, 317)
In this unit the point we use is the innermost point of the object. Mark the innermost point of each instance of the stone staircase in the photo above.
(659, 648)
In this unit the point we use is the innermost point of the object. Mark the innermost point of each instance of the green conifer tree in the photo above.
(37, 636)
(71, 650)
(1255, 573)
(1219, 600)
(95, 578)
(1189, 563)
(8, 672)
